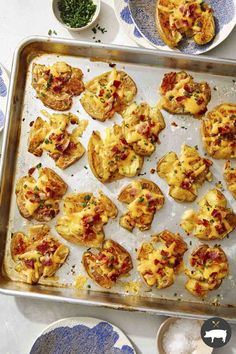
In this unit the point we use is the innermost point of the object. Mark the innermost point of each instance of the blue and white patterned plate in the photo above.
(142, 15)
(82, 335)
(4, 81)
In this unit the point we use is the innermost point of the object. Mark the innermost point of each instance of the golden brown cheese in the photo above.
(144, 198)
(39, 199)
(182, 95)
(107, 94)
(84, 218)
(53, 137)
(211, 267)
(38, 254)
(214, 220)
(230, 178)
(159, 266)
(112, 262)
(141, 127)
(57, 84)
(181, 19)
(219, 132)
(112, 158)
(185, 174)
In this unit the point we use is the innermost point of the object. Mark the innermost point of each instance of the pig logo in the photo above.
(215, 332)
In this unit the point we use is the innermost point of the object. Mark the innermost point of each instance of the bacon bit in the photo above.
(174, 124)
(115, 149)
(57, 89)
(142, 117)
(31, 123)
(123, 155)
(47, 72)
(152, 171)
(73, 121)
(188, 88)
(164, 253)
(101, 93)
(224, 130)
(191, 10)
(168, 82)
(114, 276)
(221, 228)
(181, 98)
(200, 100)
(124, 142)
(216, 214)
(213, 255)
(116, 83)
(181, 23)
(207, 162)
(96, 218)
(144, 129)
(29, 263)
(203, 222)
(186, 185)
(47, 262)
(71, 145)
(198, 288)
(203, 111)
(133, 191)
(43, 248)
(20, 248)
(156, 261)
(31, 170)
(115, 95)
(148, 272)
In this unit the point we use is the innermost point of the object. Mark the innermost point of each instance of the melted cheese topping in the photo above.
(80, 281)
(230, 177)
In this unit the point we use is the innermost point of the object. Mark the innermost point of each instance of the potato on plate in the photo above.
(141, 127)
(185, 174)
(230, 178)
(211, 267)
(54, 138)
(144, 198)
(159, 265)
(107, 94)
(218, 131)
(214, 220)
(37, 254)
(182, 95)
(39, 199)
(111, 262)
(56, 85)
(112, 158)
(179, 19)
(84, 218)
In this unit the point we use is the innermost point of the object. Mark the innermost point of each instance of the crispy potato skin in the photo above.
(178, 90)
(84, 218)
(101, 102)
(105, 267)
(159, 266)
(57, 84)
(38, 254)
(45, 196)
(185, 174)
(214, 220)
(230, 178)
(144, 198)
(113, 160)
(194, 20)
(218, 131)
(211, 267)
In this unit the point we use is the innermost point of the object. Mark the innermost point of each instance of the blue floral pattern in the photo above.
(80, 339)
(142, 14)
(3, 88)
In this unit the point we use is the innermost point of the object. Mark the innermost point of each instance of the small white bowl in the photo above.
(202, 348)
(56, 13)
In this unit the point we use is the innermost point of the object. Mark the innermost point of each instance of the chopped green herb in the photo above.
(46, 141)
(39, 165)
(88, 286)
(85, 167)
(50, 32)
(87, 197)
(54, 32)
(25, 185)
(36, 188)
(49, 82)
(76, 13)
(141, 199)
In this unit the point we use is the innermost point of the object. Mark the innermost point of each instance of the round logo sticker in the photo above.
(216, 332)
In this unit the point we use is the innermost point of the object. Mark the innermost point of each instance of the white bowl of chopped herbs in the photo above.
(76, 15)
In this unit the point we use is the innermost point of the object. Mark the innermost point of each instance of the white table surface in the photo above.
(21, 320)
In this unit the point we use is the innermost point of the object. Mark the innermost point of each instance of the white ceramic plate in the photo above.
(82, 335)
(4, 81)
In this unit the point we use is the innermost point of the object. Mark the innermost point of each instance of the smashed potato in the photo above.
(179, 19)
(84, 218)
(211, 267)
(185, 174)
(37, 254)
(39, 199)
(57, 84)
(230, 178)
(144, 198)
(219, 132)
(112, 158)
(214, 220)
(182, 95)
(53, 137)
(111, 262)
(107, 94)
(141, 127)
(159, 266)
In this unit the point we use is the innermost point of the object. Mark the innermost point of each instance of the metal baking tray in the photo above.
(146, 67)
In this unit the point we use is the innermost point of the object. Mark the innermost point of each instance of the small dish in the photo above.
(202, 348)
(82, 335)
(56, 13)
